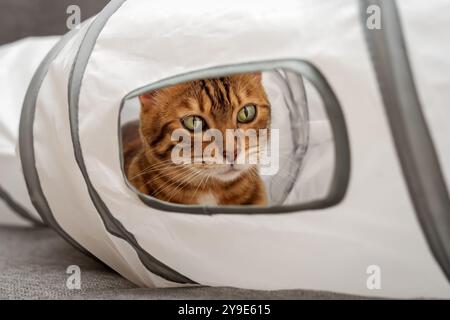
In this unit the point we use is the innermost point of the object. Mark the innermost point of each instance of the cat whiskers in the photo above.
(254, 174)
(167, 173)
(170, 183)
(150, 168)
(179, 187)
(205, 178)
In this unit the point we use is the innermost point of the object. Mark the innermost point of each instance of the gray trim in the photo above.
(340, 181)
(26, 143)
(17, 208)
(415, 149)
(111, 224)
(300, 147)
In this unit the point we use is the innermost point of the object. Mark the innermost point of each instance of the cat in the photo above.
(231, 102)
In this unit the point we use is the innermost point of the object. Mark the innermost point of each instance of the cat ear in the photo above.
(256, 75)
(147, 99)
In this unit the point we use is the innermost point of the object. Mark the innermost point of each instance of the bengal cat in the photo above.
(231, 102)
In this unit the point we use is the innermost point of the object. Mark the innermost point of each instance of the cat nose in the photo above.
(230, 156)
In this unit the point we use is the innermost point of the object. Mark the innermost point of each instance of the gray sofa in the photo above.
(33, 261)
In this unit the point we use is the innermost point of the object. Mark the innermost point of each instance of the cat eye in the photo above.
(193, 123)
(247, 113)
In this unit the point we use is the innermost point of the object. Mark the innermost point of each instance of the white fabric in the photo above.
(328, 249)
(323, 249)
(18, 62)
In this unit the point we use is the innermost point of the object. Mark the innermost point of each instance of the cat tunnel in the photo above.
(359, 203)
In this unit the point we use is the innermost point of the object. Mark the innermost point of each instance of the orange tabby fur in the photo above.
(147, 145)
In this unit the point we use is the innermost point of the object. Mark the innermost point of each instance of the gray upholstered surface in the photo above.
(33, 265)
(24, 18)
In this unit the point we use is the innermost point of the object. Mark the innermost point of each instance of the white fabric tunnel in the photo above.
(364, 153)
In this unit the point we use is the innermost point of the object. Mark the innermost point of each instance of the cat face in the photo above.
(236, 102)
